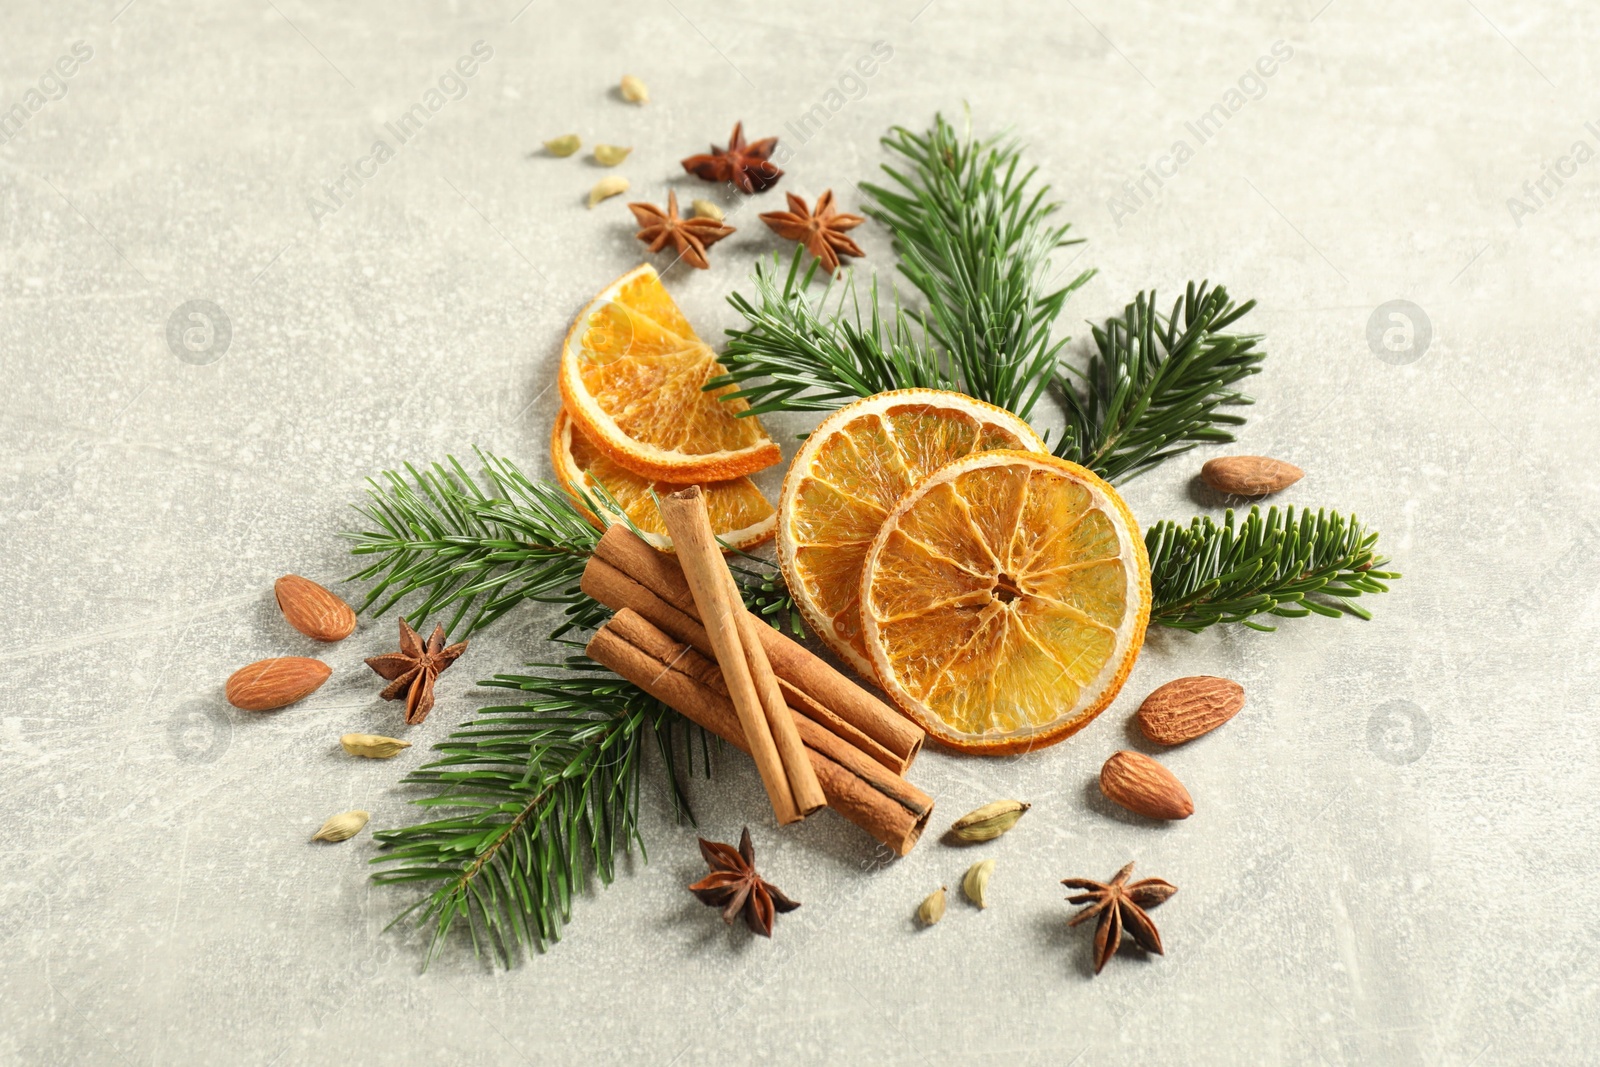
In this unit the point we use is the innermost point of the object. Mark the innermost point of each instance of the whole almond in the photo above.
(313, 610)
(276, 683)
(1249, 475)
(1184, 709)
(1144, 787)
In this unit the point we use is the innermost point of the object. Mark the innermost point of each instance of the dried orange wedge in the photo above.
(740, 515)
(631, 378)
(846, 479)
(1004, 601)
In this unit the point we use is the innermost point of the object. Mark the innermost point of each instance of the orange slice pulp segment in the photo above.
(849, 475)
(632, 372)
(1004, 600)
(740, 515)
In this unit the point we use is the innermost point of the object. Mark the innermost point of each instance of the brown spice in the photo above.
(712, 586)
(691, 237)
(857, 786)
(412, 670)
(625, 572)
(746, 166)
(821, 231)
(1120, 907)
(734, 886)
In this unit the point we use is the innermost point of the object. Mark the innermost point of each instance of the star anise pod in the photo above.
(1120, 906)
(745, 165)
(821, 231)
(691, 237)
(734, 886)
(411, 671)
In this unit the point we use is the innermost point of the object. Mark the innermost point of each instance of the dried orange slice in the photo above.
(1004, 601)
(631, 378)
(740, 515)
(847, 477)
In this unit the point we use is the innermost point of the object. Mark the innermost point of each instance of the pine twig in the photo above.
(479, 547)
(765, 592)
(545, 792)
(796, 354)
(1153, 387)
(1274, 564)
(975, 235)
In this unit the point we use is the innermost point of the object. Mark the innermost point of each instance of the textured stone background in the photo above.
(1394, 850)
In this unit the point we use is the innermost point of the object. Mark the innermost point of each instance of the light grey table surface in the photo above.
(1393, 855)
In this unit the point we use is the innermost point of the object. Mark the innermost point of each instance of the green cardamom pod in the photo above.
(609, 155)
(634, 90)
(988, 822)
(373, 746)
(931, 910)
(564, 146)
(705, 209)
(343, 826)
(975, 883)
(607, 187)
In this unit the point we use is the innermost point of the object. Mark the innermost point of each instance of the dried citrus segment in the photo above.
(632, 378)
(848, 476)
(1004, 600)
(616, 331)
(740, 515)
(642, 290)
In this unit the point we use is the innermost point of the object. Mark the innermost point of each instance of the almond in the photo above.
(1249, 475)
(1184, 709)
(313, 610)
(275, 683)
(1144, 787)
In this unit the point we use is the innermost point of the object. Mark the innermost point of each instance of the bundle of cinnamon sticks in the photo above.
(682, 634)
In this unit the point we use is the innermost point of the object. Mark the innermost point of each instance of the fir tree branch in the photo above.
(975, 235)
(544, 792)
(479, 547)
(1153, 387)
(765, 592)
(798, 355)
(1274, 564)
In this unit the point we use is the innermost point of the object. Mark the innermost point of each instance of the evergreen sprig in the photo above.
(541, 794)
(974, 234)
(805, 353)
(478, 547)
(1154, 385)
(1278, 563)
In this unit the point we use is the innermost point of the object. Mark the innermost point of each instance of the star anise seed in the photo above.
(411, 671)
(691, 237)
(1120, 907)
(734, 886)
(747, 166)
(821, 231)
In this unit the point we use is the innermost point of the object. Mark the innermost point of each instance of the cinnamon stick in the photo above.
(861, 789)
(711, 587)
(802, 779)
(636, 575)
(616, 590)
